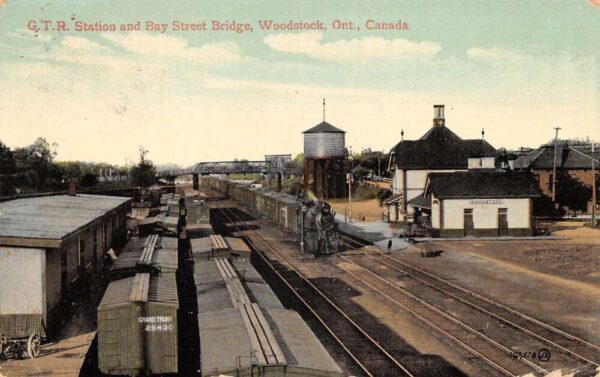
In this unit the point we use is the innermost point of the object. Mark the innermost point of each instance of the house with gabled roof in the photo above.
(574, 160)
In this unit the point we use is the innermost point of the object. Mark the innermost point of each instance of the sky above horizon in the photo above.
(516, 68)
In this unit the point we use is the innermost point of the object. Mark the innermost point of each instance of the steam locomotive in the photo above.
(310, 220)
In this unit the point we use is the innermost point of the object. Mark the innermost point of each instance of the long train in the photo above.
(310, 220)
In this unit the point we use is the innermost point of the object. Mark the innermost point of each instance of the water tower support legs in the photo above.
(195, 181)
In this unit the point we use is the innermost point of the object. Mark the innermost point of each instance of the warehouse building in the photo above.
(477, 204)
(46, 244)
(438, 150)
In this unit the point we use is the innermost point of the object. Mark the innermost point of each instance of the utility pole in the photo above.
(593, 189)
(554, 166)
(349, 179)
(303, 212)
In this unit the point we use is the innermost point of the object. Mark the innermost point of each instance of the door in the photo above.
(95, 250)
(469, 228)
(502, 222)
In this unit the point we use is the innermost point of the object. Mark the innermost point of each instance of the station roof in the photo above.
(440, 148)
(420, 201)
(324, 128)
(482, 184)
(46, 221)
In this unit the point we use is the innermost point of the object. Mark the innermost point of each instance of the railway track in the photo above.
(369, 357)
(565, 348)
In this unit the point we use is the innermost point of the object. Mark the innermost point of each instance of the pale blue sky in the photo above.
(516, 68)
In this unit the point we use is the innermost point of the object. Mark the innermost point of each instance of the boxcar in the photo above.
(145, 255)
(245, 330)
(288, 213)
(137, 326)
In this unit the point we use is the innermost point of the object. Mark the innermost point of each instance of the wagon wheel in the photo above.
(33, 346)
(3, 342)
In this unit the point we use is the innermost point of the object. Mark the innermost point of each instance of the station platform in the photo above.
(377, 232)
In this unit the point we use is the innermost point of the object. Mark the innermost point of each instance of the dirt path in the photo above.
(589, 289)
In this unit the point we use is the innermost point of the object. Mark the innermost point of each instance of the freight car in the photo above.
(312, 221)
(137, 326)
(149, 254)
(217, 246)
(246, 331)
(168, 222)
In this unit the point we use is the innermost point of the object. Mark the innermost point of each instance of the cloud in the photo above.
(79, 43)
(361, 49)
(238, 85)
(496, 53)
(175, 48)
(29, 35)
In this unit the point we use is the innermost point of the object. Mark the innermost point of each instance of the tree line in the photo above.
(34, 169)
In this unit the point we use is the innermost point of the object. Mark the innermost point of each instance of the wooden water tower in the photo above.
(325, 160)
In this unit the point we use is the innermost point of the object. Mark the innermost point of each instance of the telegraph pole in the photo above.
(554, 166)
(593, 189)
(350, 196)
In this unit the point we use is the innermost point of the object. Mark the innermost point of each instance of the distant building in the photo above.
(438, 150)
(477, 204)
(576, 161)
(46, 244)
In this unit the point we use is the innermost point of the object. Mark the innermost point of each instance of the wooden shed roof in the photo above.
(46, 221)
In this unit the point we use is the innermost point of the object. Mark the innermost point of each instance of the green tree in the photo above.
(88, 180)
(35, 168)
(572, 193)
(299, 159)
(7, 169)
(144, 173)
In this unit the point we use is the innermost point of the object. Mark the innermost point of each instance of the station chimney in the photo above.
(438, 116)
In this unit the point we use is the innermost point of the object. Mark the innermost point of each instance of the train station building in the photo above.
(477, 204)
(438, 150)
(46, 245)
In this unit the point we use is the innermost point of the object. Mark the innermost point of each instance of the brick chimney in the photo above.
(73, 188)
(438, 116)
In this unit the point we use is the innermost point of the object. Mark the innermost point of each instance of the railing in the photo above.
(230, 167)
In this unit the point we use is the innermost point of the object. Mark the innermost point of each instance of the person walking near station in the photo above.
(389, 250)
